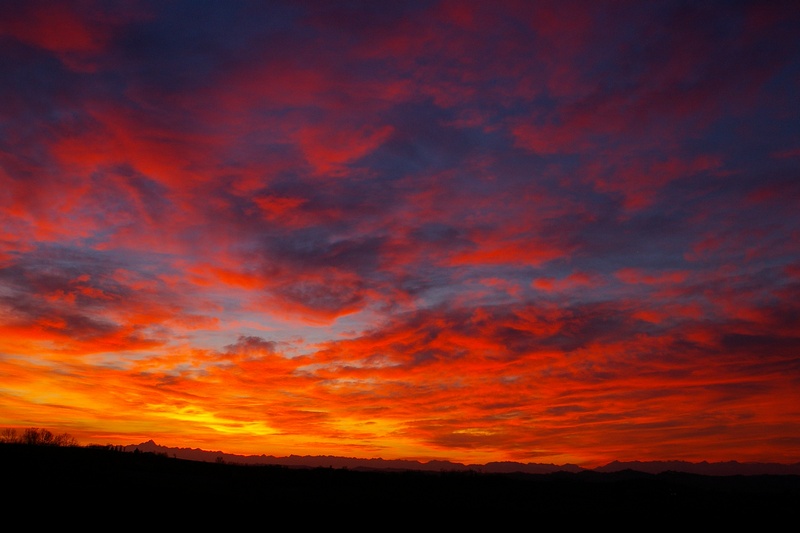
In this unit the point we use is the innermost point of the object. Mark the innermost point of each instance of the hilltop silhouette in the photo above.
(142, 489)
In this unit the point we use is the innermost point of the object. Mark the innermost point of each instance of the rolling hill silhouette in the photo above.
(104, 486)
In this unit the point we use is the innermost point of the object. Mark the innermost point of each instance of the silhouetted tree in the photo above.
(9, 435)
(38, 437)
(64, 439)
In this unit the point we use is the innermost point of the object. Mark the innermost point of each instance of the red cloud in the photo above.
(54, 26)
(637, 275)
(76, 32)
(574, 280)
(327, 150)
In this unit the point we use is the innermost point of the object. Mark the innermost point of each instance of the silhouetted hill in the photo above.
(726, 468)
(97, 486)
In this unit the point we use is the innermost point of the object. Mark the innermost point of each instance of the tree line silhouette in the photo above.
(37, 436)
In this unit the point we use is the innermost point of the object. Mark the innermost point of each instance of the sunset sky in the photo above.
(549, 232)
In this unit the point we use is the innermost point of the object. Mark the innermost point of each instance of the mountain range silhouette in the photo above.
(726, 468)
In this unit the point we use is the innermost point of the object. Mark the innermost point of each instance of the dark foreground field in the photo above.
(82, 486)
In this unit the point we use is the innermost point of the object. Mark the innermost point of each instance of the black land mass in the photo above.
(145, 489)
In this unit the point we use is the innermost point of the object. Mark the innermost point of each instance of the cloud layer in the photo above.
(530, 231)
